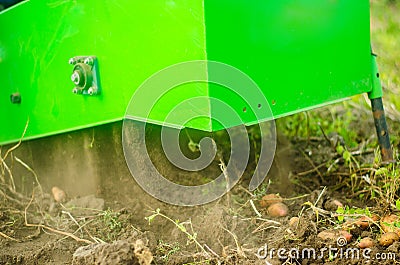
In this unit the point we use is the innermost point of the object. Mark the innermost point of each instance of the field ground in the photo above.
(325, 158)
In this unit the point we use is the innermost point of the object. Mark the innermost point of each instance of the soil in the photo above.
(110, 226)
(102, 216)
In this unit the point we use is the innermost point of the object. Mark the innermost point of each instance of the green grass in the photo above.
(345, 118)
(353, 121)
(385, 27)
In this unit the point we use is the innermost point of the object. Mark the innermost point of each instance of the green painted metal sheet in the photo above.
(301, 53)
(131, 39)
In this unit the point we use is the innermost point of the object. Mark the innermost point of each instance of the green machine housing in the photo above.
(66, 65)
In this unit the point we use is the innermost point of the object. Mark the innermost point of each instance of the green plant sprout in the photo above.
(192, 237)
(355, 212)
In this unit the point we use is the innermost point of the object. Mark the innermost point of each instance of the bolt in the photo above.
(75, 77)
(75, 90)
(92, 90)
(72, 61)
(15, 98)
(88, 61)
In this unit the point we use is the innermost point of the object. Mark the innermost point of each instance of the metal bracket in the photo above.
(375, 95)
(376, 91)
(382, 130)
(85, 75)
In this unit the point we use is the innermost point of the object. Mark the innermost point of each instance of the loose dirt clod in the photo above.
(118, 252)
(388, 238)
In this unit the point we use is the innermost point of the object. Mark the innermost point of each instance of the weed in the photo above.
(192, 236)
(349, 160)
(385, 182)
(167, 250)
(261, 190)
(110, 225)
(337, 119)
(351, 212)
(110, 219)
(198, 262)
(394, 225)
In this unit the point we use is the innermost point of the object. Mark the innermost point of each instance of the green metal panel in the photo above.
(301, 53)
(131, 39)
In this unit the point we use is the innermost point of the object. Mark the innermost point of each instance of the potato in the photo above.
(387, 224)
(270, 199)
(278, 210)
(333, 235)
(58, 194)
(364, 222)
(328, 235)
(388, 238)
(366, 242)
(332, 205)
(293, 222)
(346, 235)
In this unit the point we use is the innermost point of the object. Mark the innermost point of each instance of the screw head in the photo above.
(88, 61)
(15, 98)
(72, 61)
(75, 90)
(92, 91)
(75, 78)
